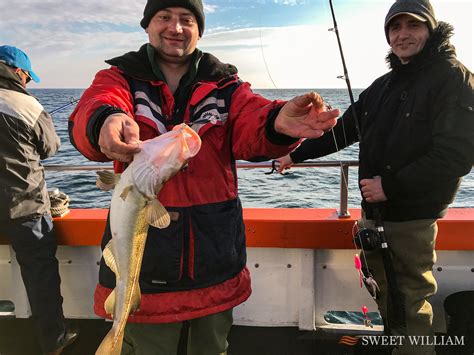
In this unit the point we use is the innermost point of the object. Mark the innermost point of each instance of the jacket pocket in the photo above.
(219, 241)
(163, 255)
(420, 133)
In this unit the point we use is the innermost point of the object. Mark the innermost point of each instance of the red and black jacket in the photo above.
(205, 243)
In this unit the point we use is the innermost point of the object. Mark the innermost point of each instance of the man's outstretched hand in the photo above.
(305, 116)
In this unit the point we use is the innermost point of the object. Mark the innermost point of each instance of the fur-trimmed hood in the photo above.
(437, 46)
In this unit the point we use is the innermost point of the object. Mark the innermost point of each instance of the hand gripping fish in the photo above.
(133, 208)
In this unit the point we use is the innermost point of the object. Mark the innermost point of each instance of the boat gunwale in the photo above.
(306, 228)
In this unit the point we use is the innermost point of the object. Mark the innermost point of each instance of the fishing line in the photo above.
(263, 51)
(362, 251)
(335, 29)
(339, 154)
(72, 101)
(346, 73)
(268, 72)
(391, 277)
(368, 280)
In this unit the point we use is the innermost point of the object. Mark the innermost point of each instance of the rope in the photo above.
(59, 203)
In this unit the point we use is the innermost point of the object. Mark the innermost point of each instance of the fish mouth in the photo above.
(191, 140)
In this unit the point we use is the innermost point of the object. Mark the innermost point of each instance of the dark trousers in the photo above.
(412, 249)
(35, 246)
(206, 336)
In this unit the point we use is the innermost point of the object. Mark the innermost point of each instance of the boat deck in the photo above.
(17, 338)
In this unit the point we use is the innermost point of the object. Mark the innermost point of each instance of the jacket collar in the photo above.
(137, 65)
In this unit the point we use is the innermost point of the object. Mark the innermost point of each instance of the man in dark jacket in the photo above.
(27, 135)
(194, 270)
(417, 141)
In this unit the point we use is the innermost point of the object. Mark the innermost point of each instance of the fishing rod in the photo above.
(396, 312)
(346, 73)
(72, 101)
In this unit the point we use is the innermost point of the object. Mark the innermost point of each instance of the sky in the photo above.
(274, 44)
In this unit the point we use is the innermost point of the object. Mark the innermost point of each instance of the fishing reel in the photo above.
(368, 239)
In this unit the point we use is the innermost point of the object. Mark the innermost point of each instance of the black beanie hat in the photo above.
(419, 9)
(153, 6)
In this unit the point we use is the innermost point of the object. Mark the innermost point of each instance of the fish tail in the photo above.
(112, 344)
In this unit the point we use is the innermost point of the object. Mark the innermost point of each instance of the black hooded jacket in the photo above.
(417, 126)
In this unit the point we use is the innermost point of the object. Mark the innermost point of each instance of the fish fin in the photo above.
(109, 304)
(136, 299)
(156, 214)
(111, 345)
(109, 258)
(106, 180)
(125, 192)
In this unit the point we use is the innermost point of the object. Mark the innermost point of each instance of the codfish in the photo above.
(134, 207)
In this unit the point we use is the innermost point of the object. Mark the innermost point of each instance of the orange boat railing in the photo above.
(312, 228)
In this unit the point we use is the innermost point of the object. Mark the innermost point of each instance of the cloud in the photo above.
(69, 41)
(37, 13)
(209, 9)
(291, 2)
(293, 56)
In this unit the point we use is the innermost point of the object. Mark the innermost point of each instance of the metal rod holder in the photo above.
(344, 192)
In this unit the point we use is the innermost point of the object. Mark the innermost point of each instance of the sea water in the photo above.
(301, 188)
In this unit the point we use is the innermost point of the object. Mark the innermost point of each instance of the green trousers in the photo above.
(206, 336)
(412, 251)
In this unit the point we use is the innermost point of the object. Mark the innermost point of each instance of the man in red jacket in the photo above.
(194, 270)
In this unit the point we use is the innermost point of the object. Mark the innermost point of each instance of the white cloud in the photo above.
(308, 56)
(209, 9)
(69, 41)
(286, 57)
(290, 2)
(51, 12)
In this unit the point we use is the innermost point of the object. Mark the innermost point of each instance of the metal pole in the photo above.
(343, 178)
(344, 192)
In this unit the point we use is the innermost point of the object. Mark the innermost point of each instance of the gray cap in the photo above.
(419, 9)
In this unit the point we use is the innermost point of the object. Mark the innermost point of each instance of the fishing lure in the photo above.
(367, 321)
(358, 266)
